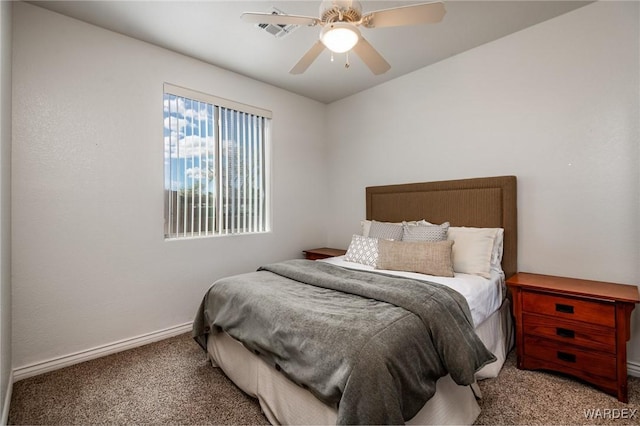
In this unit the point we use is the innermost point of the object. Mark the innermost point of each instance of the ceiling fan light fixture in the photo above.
(340, 20)
(339, 37)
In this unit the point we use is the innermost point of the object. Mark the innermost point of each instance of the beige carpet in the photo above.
(518, 397)
(170, 382)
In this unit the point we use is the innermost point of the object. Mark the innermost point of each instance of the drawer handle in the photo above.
(563, 356)
(564, 332)
(565, 309)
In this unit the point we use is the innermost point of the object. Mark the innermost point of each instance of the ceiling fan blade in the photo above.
(425, 13)
(370, 56)
(275, 19)
(308, 58)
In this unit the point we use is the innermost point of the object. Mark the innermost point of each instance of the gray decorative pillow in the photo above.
(425, 257)
(362, 250)
(424, 232)
(385, 230)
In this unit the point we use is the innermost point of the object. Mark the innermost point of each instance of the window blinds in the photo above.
(216, 174)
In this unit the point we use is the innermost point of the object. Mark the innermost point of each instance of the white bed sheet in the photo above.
(484, 295)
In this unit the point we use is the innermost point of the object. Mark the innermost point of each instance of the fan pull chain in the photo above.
(331, 56)
(347, 65)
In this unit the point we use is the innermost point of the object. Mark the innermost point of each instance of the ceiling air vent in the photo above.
(277, 30)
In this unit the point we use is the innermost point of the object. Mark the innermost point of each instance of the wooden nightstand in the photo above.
(577, 327)
(322, 253)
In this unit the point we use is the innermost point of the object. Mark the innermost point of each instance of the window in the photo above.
(216, 174)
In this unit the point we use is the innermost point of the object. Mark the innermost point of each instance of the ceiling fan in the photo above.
(340, 20)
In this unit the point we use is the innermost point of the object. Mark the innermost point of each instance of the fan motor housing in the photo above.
(340, 11)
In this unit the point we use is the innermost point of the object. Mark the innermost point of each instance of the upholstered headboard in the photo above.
(481, 202)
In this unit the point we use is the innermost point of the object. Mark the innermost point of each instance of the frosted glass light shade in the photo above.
(339, 37)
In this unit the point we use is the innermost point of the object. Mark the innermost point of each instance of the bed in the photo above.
(466, 205)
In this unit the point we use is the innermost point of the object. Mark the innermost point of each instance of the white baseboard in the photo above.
(97, 352)
(633, 368)
(7, 401)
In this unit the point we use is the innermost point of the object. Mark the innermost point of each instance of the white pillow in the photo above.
(473, 249)
(366, 227)
(498, 248)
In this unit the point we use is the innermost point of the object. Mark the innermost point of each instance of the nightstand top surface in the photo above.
(579, 287)
(326, 251)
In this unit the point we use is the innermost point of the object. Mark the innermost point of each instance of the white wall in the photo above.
(556, 104)
(5, 209)
(90, 263)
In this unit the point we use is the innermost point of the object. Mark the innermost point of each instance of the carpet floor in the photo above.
(171, 382)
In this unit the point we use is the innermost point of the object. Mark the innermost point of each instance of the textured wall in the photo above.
(90, 263)
(556, 104)
(5, 204)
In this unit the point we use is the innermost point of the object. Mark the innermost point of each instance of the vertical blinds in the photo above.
(216, 174)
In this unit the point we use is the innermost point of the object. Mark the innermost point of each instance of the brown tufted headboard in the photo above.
(481, 202)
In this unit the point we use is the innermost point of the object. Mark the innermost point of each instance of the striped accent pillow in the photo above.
(424, 232)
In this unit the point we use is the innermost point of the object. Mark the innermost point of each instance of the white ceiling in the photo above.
(213, 32)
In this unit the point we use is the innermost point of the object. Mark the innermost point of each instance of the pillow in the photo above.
(385, 230)
(424, 232)
(362, 250)
(498, 248)
(425, 257)
(365, 225)
(473, 248)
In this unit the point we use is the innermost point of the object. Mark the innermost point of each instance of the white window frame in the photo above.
(253, 121)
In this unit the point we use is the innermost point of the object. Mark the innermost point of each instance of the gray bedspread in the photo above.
(372, 346)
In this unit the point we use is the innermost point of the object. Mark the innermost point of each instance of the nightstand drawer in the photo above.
(574, 326)
(586, 362)
(599, 313)
(571, 332)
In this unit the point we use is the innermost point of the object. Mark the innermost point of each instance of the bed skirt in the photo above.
(283, 402)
